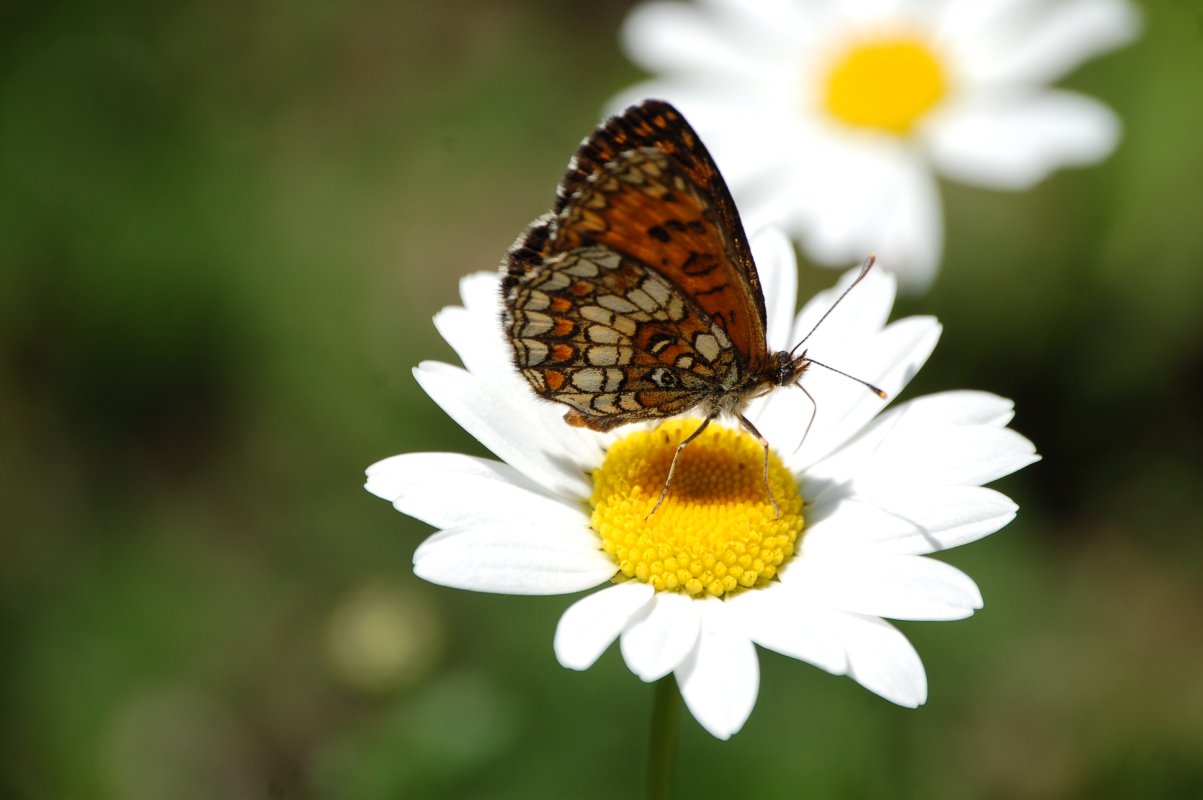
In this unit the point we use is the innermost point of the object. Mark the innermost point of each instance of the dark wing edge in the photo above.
(525, 253)
(659, 125)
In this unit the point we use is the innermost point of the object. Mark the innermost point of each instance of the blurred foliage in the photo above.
(223, 233)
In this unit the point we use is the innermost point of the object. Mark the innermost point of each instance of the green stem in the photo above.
(662, 744)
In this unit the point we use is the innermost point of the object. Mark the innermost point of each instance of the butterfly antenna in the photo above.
(861, 381)
(864, 270)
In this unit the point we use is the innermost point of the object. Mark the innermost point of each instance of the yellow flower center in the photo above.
(716, 532)
(886, 83)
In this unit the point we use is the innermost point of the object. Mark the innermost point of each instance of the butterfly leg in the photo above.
(765, 444)
(814, 411)
(672, 468)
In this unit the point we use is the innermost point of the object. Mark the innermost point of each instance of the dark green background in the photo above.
(224, 228)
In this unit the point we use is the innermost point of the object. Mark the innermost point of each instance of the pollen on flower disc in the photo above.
(716, 532)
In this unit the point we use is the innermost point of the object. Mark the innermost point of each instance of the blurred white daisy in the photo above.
(829, 117)
(714, 572)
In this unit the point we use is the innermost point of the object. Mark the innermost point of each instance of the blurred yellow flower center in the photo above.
(885, 83)
(716, 532)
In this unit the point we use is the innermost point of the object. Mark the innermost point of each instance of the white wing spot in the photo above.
(628, 402)
(532, 352)
(643, 300)
(604, 355)
(675, 309)
(602, 334)
(617, 304)
(583, 268)
(707, 346)
(588, 380)
(535, 301)
(606, 404)
(599, 315)
(721, 336)
(555, 281)
(537, 323)
(657, 291)
(608, 260)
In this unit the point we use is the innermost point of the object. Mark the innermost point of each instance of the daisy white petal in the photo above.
(840, 406)
(872, 12)
(975, 456)
(783, 622)
(721, 678)
(662, 636)
(503, 423)
(881, 659)
(844, 407)
(789, 18)
(474, 329)
(1016, 141)
(510, 559)
(452, 490)
(894, 586)
(783, 416)
(848, 190)
(874, 196)
(591, 624)
(963, 407)
(934, 440)
(779, 280)
(911, 237)
(474, 332)
(1049, 40)
(831, 119)
(859, 315)
(865, 648)
(677, 37)
(923, 521)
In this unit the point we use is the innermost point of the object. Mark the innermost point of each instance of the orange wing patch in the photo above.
(647, 209)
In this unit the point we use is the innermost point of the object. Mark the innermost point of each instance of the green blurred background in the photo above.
(224, 229)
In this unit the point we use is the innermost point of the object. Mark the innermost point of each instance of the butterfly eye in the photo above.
(665, 378)
(784, 370)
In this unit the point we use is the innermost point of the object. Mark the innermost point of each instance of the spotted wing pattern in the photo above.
(637, 297)
(614, 340)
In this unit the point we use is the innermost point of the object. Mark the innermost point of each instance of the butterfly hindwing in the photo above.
(595, 330)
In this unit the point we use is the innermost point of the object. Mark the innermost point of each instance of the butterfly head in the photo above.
(787, 368)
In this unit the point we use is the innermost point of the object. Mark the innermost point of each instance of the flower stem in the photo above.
(662, 744)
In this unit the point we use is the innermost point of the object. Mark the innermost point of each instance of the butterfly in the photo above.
(636, 297)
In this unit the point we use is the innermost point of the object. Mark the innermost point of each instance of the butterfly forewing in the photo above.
(647, 209)
(642, 213)
(637, 298)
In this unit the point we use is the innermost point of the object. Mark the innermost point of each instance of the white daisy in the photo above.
(828, 117)
(714, 571)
